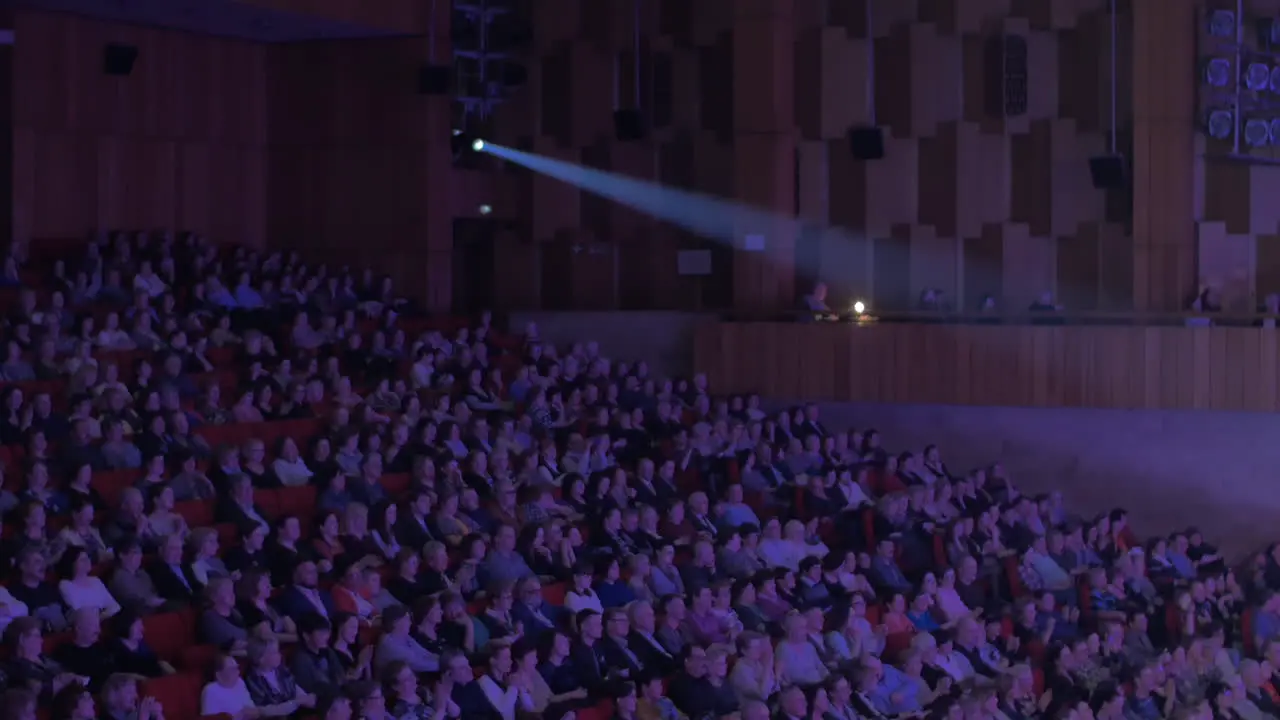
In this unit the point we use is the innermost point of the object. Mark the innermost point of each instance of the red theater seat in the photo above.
(179, 694)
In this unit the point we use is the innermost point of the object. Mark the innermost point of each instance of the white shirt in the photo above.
(577, 603)
(504, 701)
(94, 595)
(12, 608)
(216, 699)
(291, 474)
(150, 284)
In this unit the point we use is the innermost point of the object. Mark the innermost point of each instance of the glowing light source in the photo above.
(1257, 132)
(485, 209)
(1217, 72)
(1258, 77)
(1222, 24)
(1220, 124)
(859, 307)
(478, 145)
(711, 217)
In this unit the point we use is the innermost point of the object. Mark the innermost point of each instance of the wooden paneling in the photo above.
(178, 144)
(404, 17)
(754, 84)
(1164, 233)
(1147, 368)
(359, 162)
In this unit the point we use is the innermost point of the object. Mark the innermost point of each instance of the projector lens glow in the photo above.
(859, 307)
(477, 145)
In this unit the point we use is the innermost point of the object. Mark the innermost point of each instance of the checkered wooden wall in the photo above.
(753, 101)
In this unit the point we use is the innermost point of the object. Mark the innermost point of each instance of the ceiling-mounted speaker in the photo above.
(435, 80)
(1108, 172)
(118, 59)
(514, 74)
(866, 143)
(629, 125)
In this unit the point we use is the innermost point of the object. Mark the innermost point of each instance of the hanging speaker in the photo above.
(1107, 171)
(118, 59)
(866, 143)
(629, 125)
(435, 80)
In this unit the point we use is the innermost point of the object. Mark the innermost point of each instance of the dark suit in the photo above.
(535, 627)
(471, 700)
(654, 656)
(591, 666)
(230, 512)
(620, 659)
(294, 605)
(412, 534)
(175, 585)
(704, 524)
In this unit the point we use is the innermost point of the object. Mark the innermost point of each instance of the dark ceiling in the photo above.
(225, 18)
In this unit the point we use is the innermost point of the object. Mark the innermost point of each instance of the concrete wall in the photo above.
(1218, 471)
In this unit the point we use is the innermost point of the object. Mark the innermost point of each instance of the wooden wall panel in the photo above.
(400, 17)
(176, 145)
(950, 171)
(1129, 368)
(359, 162)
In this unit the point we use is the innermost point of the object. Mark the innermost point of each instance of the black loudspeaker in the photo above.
(866, 143)
(1005, 75)
(1107, 172)
(514, 75)
(1268, 33)
(435, 80)
(629, 125)
(119, 59)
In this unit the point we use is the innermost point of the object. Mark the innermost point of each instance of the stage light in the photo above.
(1257, 132)
(1258, 77)
(1217, 72)
(1220, 124)
(859, 307)
(485, 209)
(478, 146)
(1222, 24)
(456, 132)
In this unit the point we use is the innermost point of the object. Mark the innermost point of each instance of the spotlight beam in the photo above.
(702, 214)
(713, 217)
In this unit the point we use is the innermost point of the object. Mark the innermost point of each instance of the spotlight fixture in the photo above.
(485, 209)
(466, 146)
(1257, 132)
(1257, 77)
(1222, 24)
(1217, 72)
(1220, 124)
(859, 307)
